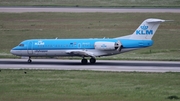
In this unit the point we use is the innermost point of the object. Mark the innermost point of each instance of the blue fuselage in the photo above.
(58, 47)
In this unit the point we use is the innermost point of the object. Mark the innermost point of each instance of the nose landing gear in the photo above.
(29, 60)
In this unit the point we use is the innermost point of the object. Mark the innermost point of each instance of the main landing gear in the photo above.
(85, 61)
(29, 60)
(92, 60)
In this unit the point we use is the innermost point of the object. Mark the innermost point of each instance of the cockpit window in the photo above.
(21, 45)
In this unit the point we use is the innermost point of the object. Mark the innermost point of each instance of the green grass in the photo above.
(92, 3)
(16, 27)
(48, 85)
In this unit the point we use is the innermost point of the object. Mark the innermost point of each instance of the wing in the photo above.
(80, 53)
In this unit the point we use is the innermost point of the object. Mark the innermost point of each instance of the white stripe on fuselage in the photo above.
(50, 53)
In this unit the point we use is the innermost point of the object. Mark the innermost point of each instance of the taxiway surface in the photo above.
(89, 10)
(101, 65)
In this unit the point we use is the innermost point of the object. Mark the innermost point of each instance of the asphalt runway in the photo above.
(101, 65)
(89, 10)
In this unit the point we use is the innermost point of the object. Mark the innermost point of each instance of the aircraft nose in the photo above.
(12, 51)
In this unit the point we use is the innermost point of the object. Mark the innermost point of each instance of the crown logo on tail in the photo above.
(144, 27)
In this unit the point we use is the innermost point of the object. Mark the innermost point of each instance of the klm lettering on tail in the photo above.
(144, 31)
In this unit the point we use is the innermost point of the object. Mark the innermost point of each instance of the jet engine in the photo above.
(108, 46)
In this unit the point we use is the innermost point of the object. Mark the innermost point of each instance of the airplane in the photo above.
(89, 47)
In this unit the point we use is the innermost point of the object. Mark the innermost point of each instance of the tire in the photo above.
(84, 61)
(92, 60)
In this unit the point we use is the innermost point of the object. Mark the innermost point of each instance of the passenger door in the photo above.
(30, 48)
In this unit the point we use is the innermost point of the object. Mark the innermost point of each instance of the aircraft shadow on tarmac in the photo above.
(75, 63)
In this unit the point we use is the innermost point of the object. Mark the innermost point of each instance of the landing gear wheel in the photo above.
(29, 60)
(92, 60)
(84, 61)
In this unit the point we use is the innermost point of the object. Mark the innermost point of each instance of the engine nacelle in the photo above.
(107, 46)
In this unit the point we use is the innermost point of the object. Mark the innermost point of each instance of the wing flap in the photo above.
(80, 53)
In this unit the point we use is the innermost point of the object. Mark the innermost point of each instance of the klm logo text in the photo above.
(144, 31)
(103, 46)
(39, 43)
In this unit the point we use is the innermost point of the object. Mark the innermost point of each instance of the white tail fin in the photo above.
(147, 29)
